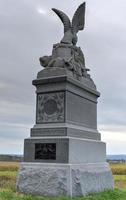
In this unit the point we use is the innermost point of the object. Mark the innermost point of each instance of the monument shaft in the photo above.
(65, 121)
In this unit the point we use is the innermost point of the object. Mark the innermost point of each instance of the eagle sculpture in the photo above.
(71, 28)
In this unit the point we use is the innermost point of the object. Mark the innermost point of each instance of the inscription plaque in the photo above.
(38, 132)
(45, 151)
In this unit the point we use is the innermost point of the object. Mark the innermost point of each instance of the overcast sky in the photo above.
(28, 29)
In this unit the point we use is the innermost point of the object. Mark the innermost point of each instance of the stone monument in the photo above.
(64, 154)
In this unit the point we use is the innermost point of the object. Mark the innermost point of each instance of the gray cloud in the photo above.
(26, 34)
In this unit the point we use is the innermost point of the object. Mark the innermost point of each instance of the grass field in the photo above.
(118, 169)
(9, 170)
(119, 173)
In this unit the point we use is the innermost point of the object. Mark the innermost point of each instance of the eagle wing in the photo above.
(64, 18)
(78, 20)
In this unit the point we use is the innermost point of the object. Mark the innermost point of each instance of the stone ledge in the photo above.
(58, 75)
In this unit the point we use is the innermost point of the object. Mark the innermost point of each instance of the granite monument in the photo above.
(64, 154)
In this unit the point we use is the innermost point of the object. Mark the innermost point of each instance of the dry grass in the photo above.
(118, 169)
(8, 179)
(119, 172)
(9, 166)
(8, 174)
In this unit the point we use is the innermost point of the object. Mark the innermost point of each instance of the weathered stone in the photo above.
(64, 179)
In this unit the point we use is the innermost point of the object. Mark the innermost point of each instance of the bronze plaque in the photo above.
(45, 151)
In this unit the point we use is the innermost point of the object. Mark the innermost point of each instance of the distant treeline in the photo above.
(116, 161)
(12, 158)
(121, 158)
(19, 158)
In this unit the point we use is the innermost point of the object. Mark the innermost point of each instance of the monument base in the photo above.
(74, 180)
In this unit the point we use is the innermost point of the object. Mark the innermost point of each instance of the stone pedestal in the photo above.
(74, 180)
(64, 154)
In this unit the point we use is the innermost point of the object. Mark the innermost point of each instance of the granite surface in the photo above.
(68, 150)
(64, 179)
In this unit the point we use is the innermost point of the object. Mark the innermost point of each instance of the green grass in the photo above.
(120, 181)
(108, 195)
(8, 174)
